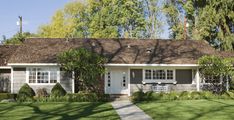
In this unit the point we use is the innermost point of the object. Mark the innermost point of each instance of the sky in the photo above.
(34, 13)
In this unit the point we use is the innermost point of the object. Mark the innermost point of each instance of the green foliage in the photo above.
(87, 67)
(185, 95)
(58, 91)
(7, 96)
(18, 38)
(74, 97)
(139, 96)
(26, 93)
(210, 20)
(105, 19)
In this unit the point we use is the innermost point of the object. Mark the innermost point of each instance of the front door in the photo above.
(117, 81)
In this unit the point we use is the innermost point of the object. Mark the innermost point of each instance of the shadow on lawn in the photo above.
(182, 111)
(67, 111)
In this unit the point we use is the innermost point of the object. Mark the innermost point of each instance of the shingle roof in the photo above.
(5, 53)
(128, 51)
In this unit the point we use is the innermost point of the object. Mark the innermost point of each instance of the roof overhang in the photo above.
(5, 67)
(33, 64)
(152, 65)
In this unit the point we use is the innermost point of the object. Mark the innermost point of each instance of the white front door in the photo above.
(117, 81)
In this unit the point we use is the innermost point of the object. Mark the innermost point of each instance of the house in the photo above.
(159, 65)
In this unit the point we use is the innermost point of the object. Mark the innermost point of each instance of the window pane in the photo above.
(147, 74)
(32, 76)
(53, 76)
(159, 74)
(170, 74)
(42, 76)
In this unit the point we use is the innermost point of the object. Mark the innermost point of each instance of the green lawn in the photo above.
(66, 111)
(190, 109)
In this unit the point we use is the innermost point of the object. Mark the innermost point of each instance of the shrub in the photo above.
(7, 96)
(195, 95)
(41, 92)
(207, 95)
(26, 93)
(138, 96)
(82, 97)
(58, 91)
(185, 95)
(173, 96)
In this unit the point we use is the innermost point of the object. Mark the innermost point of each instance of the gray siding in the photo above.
(136, 76)
(66, 81)
(184, 76)
(19, 78)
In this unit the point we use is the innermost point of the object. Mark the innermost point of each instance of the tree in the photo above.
(210, 20)
(18, 38)
(215, 67)
(87, 67)
(105, 19)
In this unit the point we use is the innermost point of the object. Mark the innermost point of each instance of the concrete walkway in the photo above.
(129, 111)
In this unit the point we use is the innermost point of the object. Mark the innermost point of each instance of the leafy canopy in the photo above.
(87, 66)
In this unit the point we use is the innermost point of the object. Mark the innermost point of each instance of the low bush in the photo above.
(58, 91)
(41, 92)
(185, 95)
(7, 96)
(74, 97)
(138, 96)
(26, 93)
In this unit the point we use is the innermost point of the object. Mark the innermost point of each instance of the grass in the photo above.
(189, 109)
(65, 111)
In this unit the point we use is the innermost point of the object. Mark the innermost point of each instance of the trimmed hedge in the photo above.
(152, 96)
(26, 93)
(74, 97)
(7, 96)
(58, 91)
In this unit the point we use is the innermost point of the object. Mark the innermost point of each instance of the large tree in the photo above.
(210, 20)
(105, 19)
(87, 67)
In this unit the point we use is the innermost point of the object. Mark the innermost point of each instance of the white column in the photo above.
(73, 82)
(12, 85)
(197, 80)
(129, 85)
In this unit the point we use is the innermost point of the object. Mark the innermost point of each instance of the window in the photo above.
(108, 79)
(147, 74)
(170, 74)
(159, 74)
(42, 75)
(124, 80)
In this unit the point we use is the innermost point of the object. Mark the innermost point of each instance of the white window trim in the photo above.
(158, 80)
(49, 69)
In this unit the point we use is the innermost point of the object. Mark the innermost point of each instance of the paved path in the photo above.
(129, 111)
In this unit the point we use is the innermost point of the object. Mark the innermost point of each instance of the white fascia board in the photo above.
(5, 67)
(33, 64)
(153, 65)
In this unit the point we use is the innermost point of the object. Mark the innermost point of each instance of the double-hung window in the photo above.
(159, 74)
(42, 75)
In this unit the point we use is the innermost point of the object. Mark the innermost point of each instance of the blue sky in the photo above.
(34, 13)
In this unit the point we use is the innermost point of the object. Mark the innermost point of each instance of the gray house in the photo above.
(133, 64)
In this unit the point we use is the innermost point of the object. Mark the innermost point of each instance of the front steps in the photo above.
(119, 97)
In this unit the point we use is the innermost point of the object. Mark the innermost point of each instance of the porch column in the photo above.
(197, 80)
(12, 85)
(73, 82)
